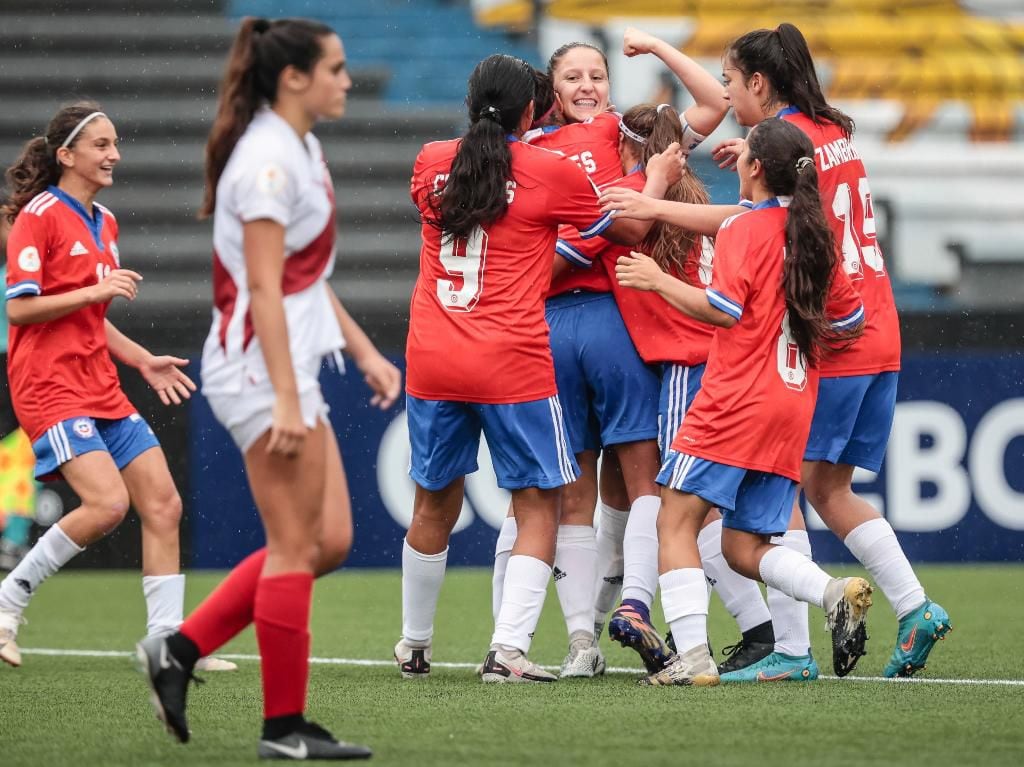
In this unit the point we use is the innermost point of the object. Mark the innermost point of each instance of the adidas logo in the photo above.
(614, 580)
(22, 583)
(558, 574)
(711, 581)
(78, 249)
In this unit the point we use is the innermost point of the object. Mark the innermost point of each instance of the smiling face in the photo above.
(581, 84)
(747, 96)
(93, 155)
(324, 90)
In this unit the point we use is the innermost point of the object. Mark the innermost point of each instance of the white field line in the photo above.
(611, 669)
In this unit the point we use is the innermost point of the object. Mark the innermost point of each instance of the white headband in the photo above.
(663, 106)
(78, 129)
(630, 134)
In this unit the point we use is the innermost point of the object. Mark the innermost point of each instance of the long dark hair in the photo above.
(782, 55)
(670, 246)
(260, 52)
(500, 89)
(543, 98)
(36, 167)
(787, 156)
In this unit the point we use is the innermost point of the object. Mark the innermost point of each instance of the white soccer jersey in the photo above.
(272, 174)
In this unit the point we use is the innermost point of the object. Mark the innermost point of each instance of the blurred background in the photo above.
(936, 88)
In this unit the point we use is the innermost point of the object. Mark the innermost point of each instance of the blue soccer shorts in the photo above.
(679, 385)
(610, 396)
(124, 438)
(852, 420)
(753, 501)
(527, 442)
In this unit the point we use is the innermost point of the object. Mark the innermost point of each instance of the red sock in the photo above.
(282, 630)
(229, 609)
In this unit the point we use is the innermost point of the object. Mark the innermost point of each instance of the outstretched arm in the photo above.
(702, 219)
(27, 310)
(641, 272)
(163, 373)
(710, 107)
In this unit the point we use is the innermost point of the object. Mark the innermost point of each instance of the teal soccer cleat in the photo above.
(918, 633)
(776, 667)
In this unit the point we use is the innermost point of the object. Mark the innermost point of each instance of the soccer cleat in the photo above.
(742, 655)
(917, 634)
(584, 658)
(630, 629)
(775, 667)
(310, 741)
(9, 652)
(503, 667)
(846, 622)
(168, 684)
(413, 662)
(210, 663)
(694, 667)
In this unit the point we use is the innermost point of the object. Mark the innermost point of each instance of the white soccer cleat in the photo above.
(9, 652)
(694, 667)
(501, 667)
(413, 662)
(211, 663)
(584, 659)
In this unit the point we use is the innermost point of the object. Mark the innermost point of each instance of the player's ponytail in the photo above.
(658, 126)
(476, 191)
(37, 167)
(260, 52)
(782, 56)
(787, 156)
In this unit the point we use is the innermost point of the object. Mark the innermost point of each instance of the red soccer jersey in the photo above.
(846, 198)
(61, 368)
(757, 396)
(594, 146)
(660, 332)
(476, 330)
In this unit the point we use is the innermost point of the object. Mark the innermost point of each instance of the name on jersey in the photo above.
(835, 153)
(442, 178)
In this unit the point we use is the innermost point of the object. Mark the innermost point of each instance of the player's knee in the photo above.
(110, 510)
(334, 550)
(162, 513)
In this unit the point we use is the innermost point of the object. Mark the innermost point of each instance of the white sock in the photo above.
(575, 573)
(51, 552)
(526, 585)
(502, 551)
(740, 595)
(789, 616)
(794, 574)
(165, 603)
(422, 576)
(684, 598)
(640, 550)
(875, 545)
(611, 529)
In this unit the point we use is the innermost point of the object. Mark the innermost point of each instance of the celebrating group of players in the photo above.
(757, 363)
(715, 356)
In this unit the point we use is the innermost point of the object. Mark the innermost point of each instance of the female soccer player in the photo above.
(741, 443)
(771, 73)
(616, 388)
(63, 270)
(275, 318)
(478, 353)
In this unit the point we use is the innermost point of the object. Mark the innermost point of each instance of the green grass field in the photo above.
(82, 710)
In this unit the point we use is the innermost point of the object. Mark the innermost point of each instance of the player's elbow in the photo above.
(15, 315)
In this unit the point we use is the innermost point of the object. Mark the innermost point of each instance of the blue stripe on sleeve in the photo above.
(573, 256)
(596, 228)
(724, 304)
(24, 288)
(850, 320)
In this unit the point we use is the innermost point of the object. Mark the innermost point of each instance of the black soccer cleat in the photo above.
(310, 741)
(742, 654)
(168, 684)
